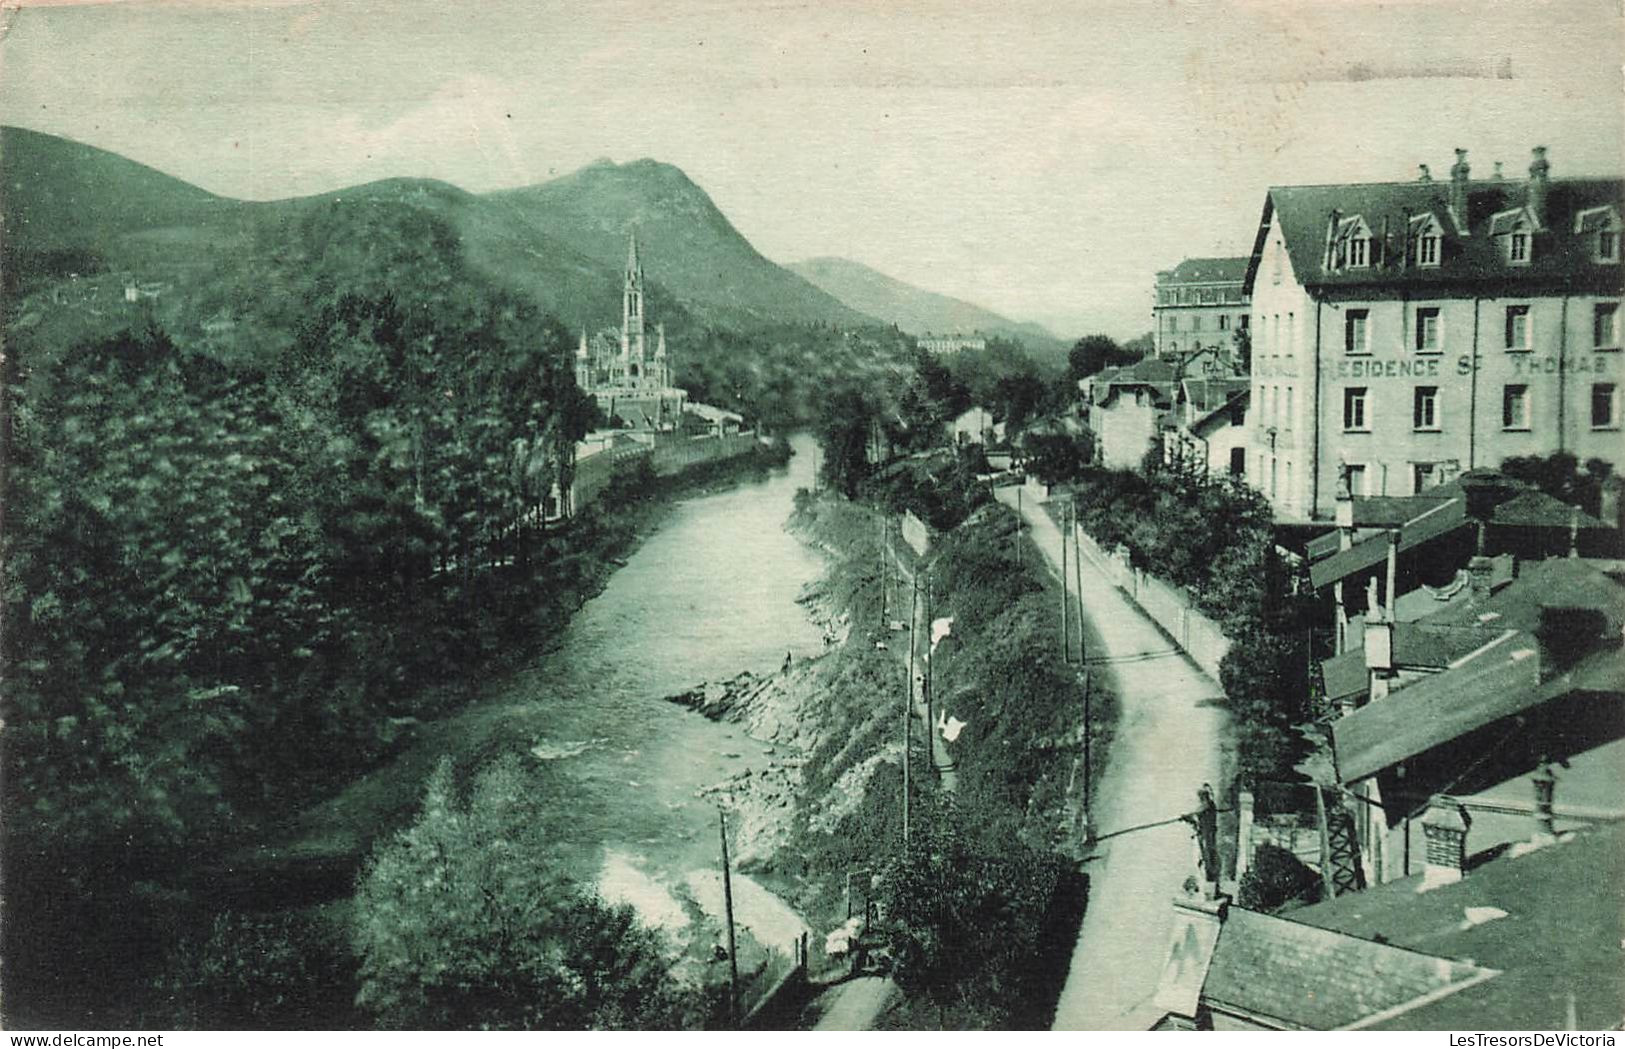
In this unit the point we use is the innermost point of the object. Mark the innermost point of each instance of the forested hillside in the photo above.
(273, 471)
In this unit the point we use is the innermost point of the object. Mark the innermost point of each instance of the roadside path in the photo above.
(1166, 745)
(854, 1004)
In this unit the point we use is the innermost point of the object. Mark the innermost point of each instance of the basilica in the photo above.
(630, 381)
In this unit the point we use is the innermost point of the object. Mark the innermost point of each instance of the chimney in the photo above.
(1445, 829)
(1480, 578)
(1458, 188)
(1424, 174)
(1539, 168)
(1498, 175)
(1545, 784)
(1196, 927)
(1343, 508)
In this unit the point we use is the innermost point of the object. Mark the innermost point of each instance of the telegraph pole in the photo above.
(1066, 629)
(728, 907)
(1021, 524)
(908, 695)
(930, 663)
(1077, 576)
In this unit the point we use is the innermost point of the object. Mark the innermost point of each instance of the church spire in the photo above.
(632, 344)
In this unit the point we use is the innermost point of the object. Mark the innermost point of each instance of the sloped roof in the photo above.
(1421, 645)
(1208, 271)
(1560, 936)
(1440, 519)
(1504, 681)
(1299, 976)
(1558, 582)
(1209, 395)
(1560, 257)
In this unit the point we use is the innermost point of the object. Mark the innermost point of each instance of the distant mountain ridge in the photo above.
(913, 309)
(68, 207)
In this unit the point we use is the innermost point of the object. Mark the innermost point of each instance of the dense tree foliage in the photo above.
(460, 924)
(1093, 353)
(223, 578)
(1561, 475)
(967, 921)
(1276, 879)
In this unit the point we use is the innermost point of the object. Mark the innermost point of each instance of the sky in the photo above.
(1043, 159)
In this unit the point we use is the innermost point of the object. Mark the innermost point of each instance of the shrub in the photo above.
(1276, 879)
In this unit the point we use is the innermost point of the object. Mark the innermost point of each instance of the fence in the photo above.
(1169, 607)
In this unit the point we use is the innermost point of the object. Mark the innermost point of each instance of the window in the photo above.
(1518, 249)
(1605, 325)
(1354, 409)
(1604, 406)
(1515, 408)
(1196, 323)
(1517, 327)
(1608, 245)
(1357, 251)
(1427, 249)
(1224, 322)
(1246, 321)
(1238, 462)
(1356, 331)
(1288, 426)
(1427, 329)
(1423, 477)
(1357, 479)
(1425, 414)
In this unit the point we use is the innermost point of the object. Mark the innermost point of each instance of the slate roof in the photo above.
(1208, 271)
(1151, 373)
(1560, 257)
(1439, 519)
(1436, 512)
(1427, 644)
(1505, 681)
(1559, 582)
(1295, 975)
(1561, 936)
(1209, 395)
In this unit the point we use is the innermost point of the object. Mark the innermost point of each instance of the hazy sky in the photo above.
(1040, 158)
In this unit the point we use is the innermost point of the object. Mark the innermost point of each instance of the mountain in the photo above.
(913, 309)
(73, 208)
(690, 247)
(93, 243)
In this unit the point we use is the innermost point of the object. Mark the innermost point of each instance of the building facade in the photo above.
(931, 343)
(1200, 305)
(630, 380)
(1412, 331)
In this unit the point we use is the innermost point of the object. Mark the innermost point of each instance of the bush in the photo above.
(461, 924)
(1276, 879)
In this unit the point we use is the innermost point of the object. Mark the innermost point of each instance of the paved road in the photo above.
(853, 1005)
(1166, 746)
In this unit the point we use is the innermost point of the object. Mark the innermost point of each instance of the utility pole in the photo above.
(930, 662)
(1077, 577)
(1021, 524)
(885, 577)
(728, 906)
(1066, 629)
(908, 695)
(1088, 764)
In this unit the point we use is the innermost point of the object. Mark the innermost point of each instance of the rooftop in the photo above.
(1561, 254)
(1559, 938)
(1206, 271)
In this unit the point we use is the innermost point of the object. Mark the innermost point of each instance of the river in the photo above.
(711, 593)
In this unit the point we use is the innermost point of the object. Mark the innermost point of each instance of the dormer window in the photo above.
(1514, 231)
(1600, 227)
(1358, 248)
(1427, 249)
